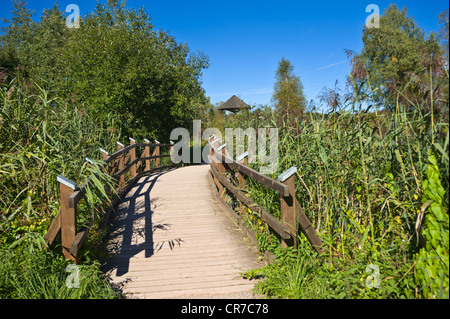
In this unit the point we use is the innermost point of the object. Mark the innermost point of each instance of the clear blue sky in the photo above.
(246, 39)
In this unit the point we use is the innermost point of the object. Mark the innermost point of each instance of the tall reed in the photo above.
(360, 177)
(42, 137)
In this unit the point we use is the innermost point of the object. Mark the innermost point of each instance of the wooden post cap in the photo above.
(157, 142)
(67, 182)
(287, 173)
(146, 141)
(89, 160)
(215, 141)
(103, 151)
(221, 146)
(242, 156)
(120, 144)
(132, 139)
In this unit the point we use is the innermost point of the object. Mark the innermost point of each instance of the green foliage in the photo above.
(63, 94)
(432, 265)
(443, 31)
(16, 36)
(288, 91)
(359, 180)
(302, 274)
(42, 275)
(396, 53)
(40, 138)
(115, 63)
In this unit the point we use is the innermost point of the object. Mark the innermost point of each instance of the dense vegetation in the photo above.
(364, 180)
(114, 64)
(372, 170)
(372, 173)
(65, 93)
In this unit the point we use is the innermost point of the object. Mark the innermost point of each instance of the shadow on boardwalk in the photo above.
(171, 239)
(129, 236)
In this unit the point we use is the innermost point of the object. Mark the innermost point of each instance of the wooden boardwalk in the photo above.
(171, 239)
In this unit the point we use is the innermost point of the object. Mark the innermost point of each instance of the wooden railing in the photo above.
(292, 213)
(124, 166)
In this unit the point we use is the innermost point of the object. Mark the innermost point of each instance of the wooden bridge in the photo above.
(179, 232)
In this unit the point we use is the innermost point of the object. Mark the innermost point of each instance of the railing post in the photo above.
(91, 162)
(121, 165)
(147, 154)
(68, 216)
(157, 153)
(133, 157)
(221, 168)
(104, 155)
(243, 159)
(215, 162)
(287, 206)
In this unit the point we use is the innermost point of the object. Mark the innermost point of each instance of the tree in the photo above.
(45, 62)
(115, 64)
(16, 36)
(288, 92)
(443, 37)
(397, 60)
(443, 32)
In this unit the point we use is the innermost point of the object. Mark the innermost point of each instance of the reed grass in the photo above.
(41, 137)
(359, 180)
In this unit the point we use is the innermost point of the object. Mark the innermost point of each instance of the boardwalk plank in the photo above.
(171, 239)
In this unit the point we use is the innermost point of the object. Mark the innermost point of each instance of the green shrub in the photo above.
(43, 274)
(432, 260)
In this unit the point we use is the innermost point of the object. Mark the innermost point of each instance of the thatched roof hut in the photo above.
(234, 104)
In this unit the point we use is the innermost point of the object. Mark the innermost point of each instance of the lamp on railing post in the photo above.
(171, 147)
(147, 154)
(287, 206)
(157, 153)
(222, 148)
(221, 167)
(133, 157)
(91, 162)
(211, 149)
(68, 215)
(216, 163)
(243, 159)
(104, 155)
(120, 160)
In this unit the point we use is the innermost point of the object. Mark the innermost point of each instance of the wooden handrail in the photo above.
(126, 159)
(134, 162)
(308, 229)
(70, 194)
(130, 147)
(263, 179)
(292, 213)
(78, 194)
(274, 223)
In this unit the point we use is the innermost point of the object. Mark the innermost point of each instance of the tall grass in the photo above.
(43, 275)
(360, 181)
(41, 137)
